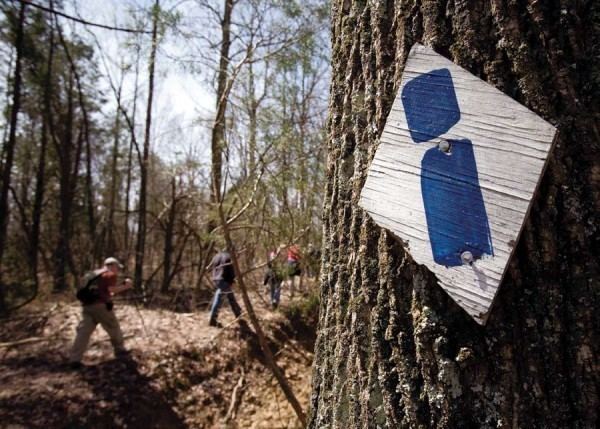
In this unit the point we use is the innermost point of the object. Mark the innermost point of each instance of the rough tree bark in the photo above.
(393, 350)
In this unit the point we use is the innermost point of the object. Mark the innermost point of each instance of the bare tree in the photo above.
(115, 179)
(85, 130)
(141, 230)
(132, 141)
(218, 128)
(169, 233)
(36, 217)
(69, 149)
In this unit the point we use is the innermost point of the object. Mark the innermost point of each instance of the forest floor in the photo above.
(181, 373)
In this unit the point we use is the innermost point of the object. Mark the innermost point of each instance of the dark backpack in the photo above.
(88, 292)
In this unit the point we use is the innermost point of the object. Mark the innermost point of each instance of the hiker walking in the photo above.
(293, 266)
(273, 278)
(223, 276)
(98, 309)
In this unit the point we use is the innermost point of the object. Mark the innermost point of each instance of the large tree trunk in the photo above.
(393, 349)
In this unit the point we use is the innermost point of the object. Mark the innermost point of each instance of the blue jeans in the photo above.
(275, 293)
(223, 289)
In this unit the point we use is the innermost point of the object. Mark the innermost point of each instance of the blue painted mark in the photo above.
(430, 104)
(456, 217)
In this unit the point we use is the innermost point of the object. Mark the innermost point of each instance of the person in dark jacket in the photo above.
(223, 276)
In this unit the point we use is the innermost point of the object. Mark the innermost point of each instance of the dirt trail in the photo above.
(181, 373)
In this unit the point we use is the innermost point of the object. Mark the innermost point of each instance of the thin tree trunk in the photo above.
(64, 150)
(303, 161)
(36, 217)
(130, 156)
(206, 249)
(393, 350)
(218, 131)
(177, 266)
(277, 372)
(110, 228)
(9, 150)
(141, 231)
(252, 107)
(89, 192)
(70, 158)
(169, 230)
(5, 132)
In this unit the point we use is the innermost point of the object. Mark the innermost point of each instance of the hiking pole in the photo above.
(137, 308)
(134, 299)
(135, 304)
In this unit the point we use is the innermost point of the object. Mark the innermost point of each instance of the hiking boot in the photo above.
(122, 354)
(215, 324)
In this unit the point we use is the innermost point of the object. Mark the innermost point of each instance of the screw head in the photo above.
(466, 257)
(444, 146)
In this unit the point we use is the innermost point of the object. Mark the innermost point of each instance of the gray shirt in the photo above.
(222, 268)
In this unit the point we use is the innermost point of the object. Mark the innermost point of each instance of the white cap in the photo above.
(113, 261)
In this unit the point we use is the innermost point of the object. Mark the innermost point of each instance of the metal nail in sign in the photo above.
(454, 175)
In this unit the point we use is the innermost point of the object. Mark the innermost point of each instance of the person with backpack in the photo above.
(97, 308)
(223, 276)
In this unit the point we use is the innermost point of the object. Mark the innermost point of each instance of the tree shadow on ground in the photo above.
(111, 394)
(126, 397)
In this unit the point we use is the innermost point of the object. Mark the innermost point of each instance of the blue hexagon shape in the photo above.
(430, 104)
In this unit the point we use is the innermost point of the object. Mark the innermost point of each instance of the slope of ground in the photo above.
(181, 372)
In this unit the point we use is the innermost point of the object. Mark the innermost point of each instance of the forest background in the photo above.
(125, 140)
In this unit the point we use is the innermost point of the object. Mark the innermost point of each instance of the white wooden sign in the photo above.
(454, 175)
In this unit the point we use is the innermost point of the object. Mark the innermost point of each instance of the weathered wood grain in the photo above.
(510, 145)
